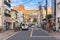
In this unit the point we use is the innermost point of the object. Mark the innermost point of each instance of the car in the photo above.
(33, 26)
(29, 25)
(24, 26)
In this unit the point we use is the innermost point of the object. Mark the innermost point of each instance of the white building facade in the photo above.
(13, 14)
(57, 14)
(19, 17)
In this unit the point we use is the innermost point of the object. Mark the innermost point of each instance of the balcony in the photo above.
(9, 1)
(8, 4)
(7, 15)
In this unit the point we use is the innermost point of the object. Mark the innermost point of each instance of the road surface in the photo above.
(32, 34)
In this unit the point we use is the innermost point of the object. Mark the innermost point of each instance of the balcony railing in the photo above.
(9, 1)
(8, 4)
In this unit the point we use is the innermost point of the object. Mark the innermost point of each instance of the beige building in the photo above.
(35, 13)
(31, 14)
(13, 14)
(49, 11)
(7, 9)
(1, 14)
(4, 12)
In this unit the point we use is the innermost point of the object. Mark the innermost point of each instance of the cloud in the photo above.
(20, 2)
(13, 4)
(29, 8)
(31, 3)
(13, 1)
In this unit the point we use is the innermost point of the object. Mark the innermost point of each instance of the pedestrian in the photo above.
(36, 25)
(16, 26)
(49, 25)
(53, 27)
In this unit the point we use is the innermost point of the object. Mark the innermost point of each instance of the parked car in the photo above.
(29, 25)
(33, 26)
(24, 26)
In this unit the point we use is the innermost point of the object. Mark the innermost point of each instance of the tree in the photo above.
(49, 16)
(34, 20)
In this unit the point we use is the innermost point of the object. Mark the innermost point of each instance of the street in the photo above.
(32, 34)
(40, 18)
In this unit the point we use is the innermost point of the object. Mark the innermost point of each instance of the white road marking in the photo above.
(43, 36)
(31, 32)
(11, 35)
(39, 36)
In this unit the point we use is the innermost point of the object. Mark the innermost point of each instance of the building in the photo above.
(57, 14)
(7, 9)
(4, 12)
(20, 8)
(13, 14)
(31, 14)
(19, 17)
(16, 18)
(1, 14)
(44, 12)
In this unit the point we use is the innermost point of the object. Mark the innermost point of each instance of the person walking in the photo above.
(53, 26)
(16, 26)
(49, 25)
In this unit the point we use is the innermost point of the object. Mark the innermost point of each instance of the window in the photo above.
(58, 5)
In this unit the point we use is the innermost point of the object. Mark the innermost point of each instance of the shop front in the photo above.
(8, 24)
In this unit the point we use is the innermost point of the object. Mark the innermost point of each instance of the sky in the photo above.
(29, 3)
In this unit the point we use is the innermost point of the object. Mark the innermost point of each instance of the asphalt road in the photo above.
(32, 34)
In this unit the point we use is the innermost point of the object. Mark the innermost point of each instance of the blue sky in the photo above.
(29, 3)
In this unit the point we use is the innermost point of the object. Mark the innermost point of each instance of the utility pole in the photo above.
(53, 5)
(55, 9)
(40, 12)
(55, 14)
(46, 14)
(46, 9)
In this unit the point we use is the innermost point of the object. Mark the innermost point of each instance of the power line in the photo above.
(23, 2)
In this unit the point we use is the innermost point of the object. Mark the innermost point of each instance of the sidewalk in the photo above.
(7, 34)
(54, 34)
